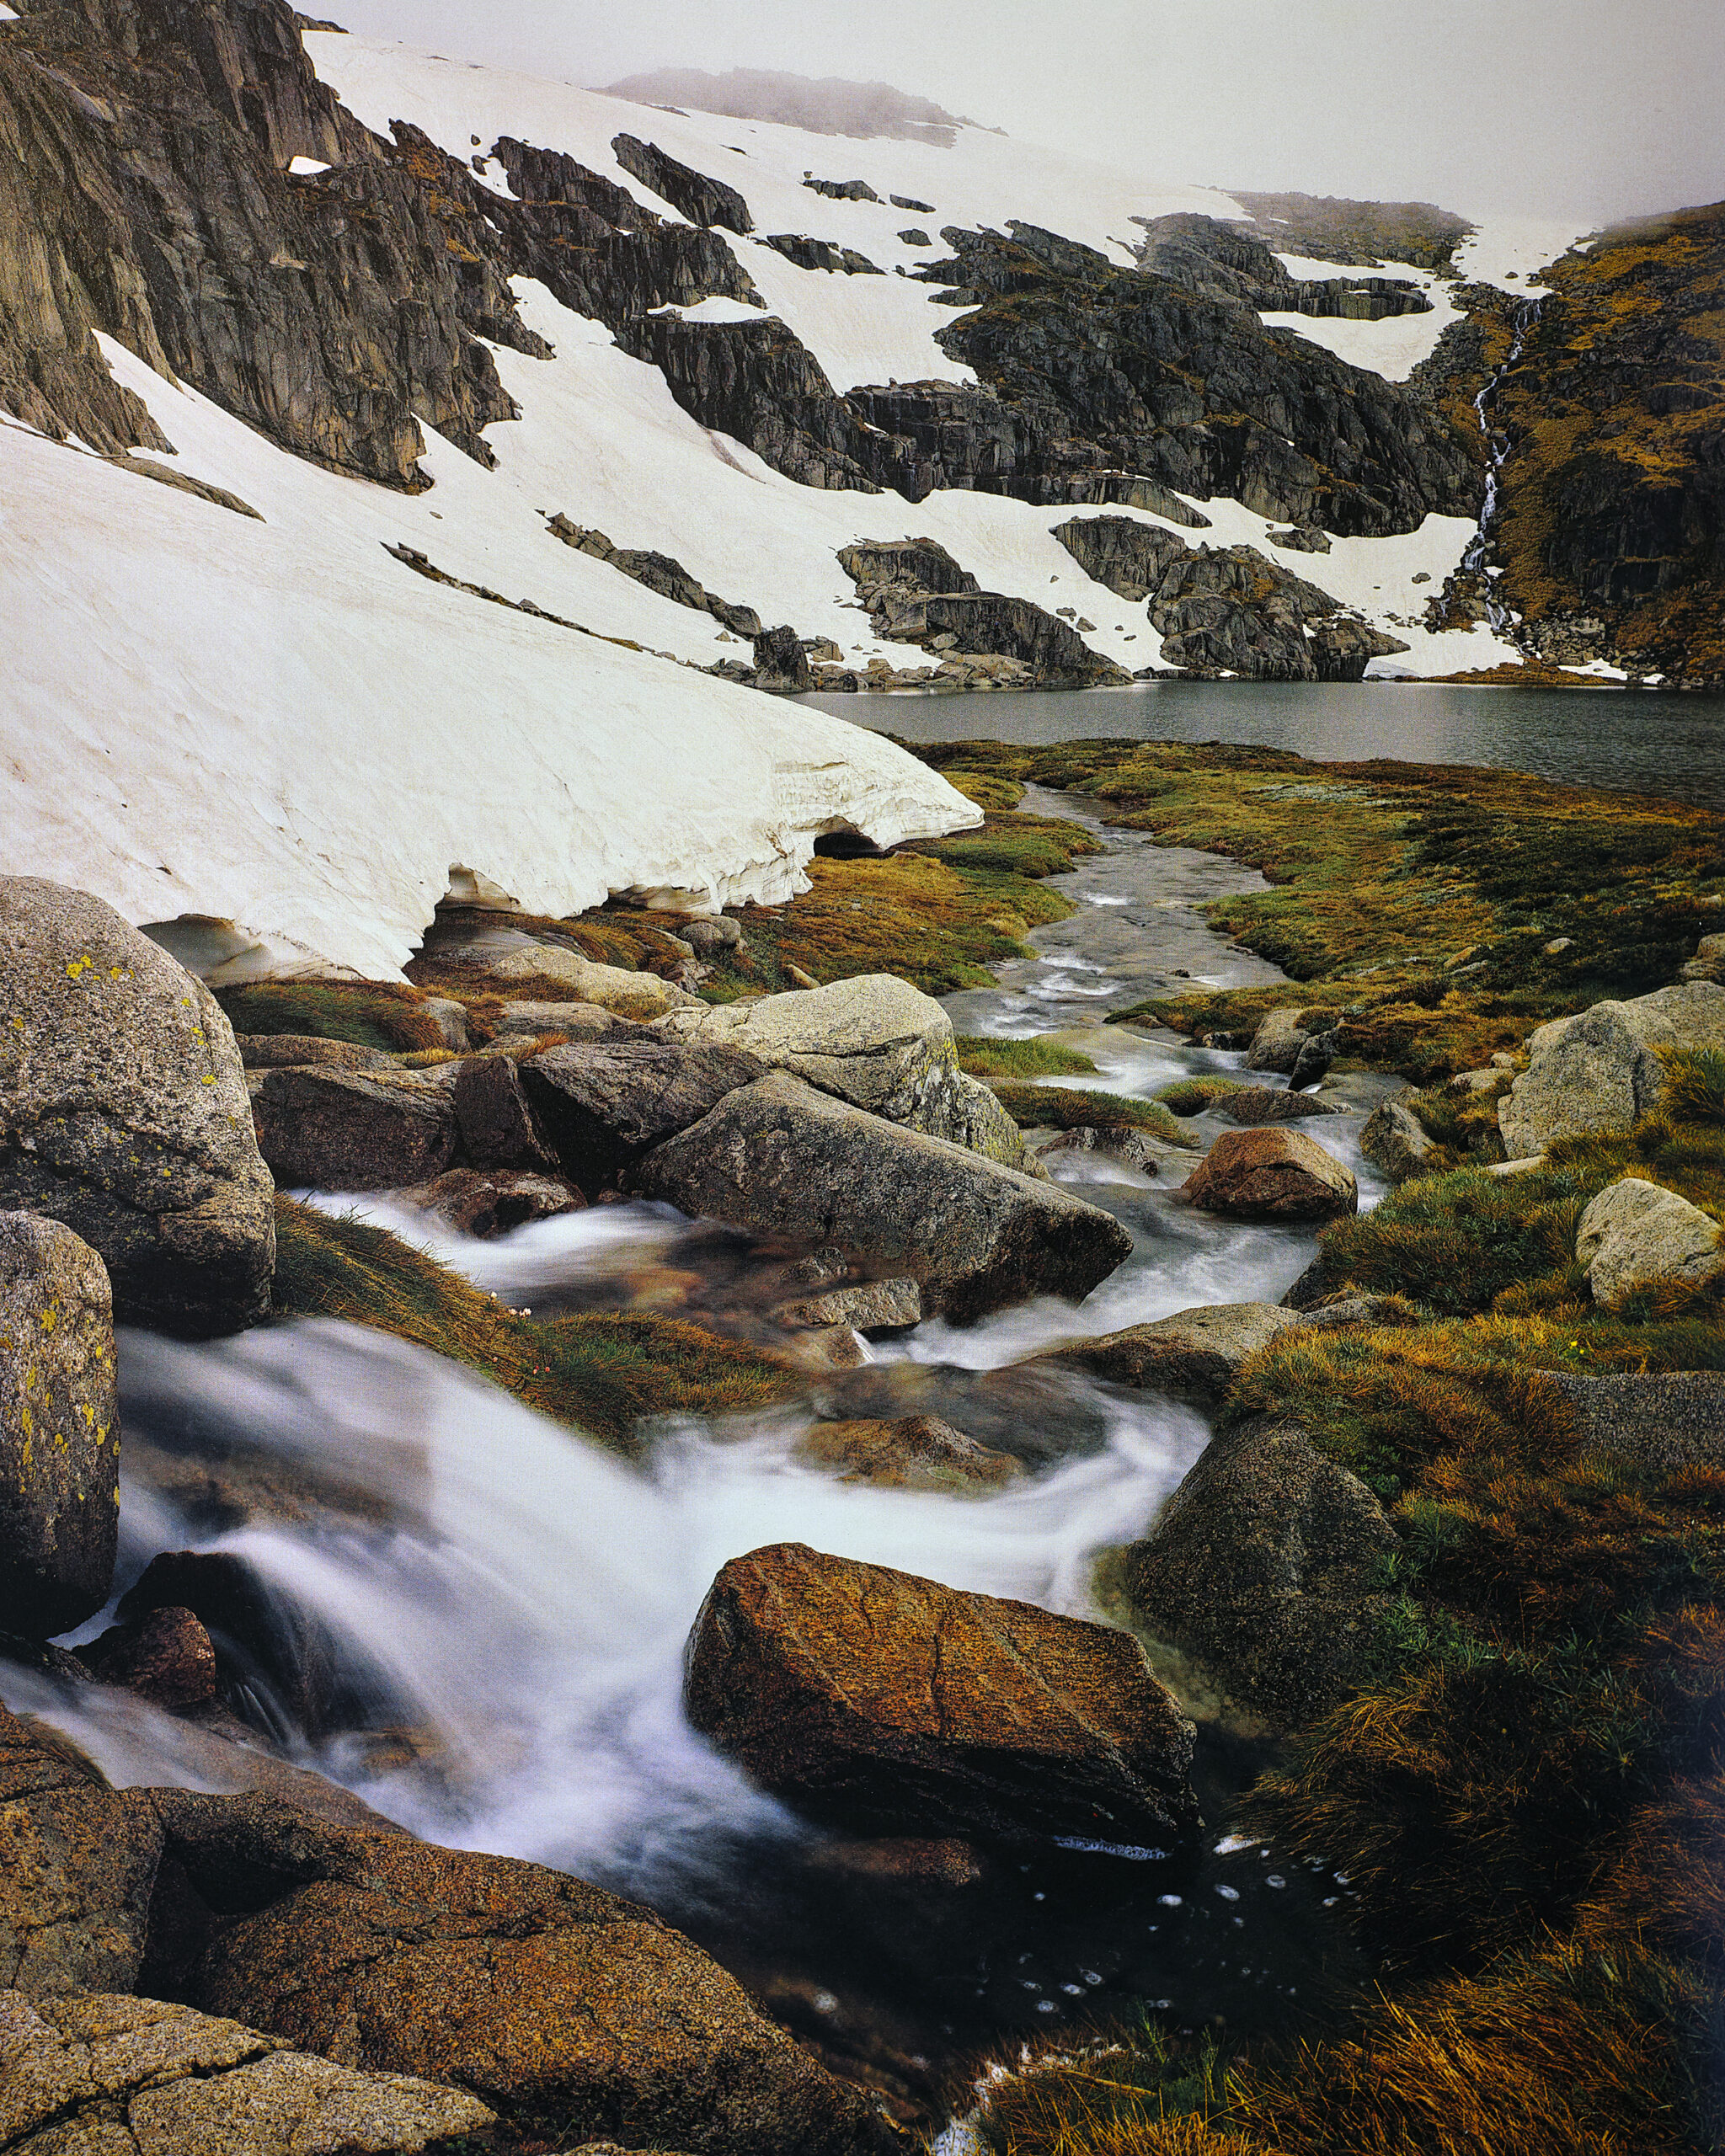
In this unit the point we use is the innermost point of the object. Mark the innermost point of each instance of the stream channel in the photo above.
(499, 1612)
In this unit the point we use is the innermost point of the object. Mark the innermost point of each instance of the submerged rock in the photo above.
(1266, 1568)
(876, 1700)
(1271, 1175)
(487, 1202)
(1599, 1071)
(59, 1429)
(974, 1235)
(124, 1113)
(917, 1452)
(1252, 1107)
(98, 2074)
(165, 1655)
(1638, 1234)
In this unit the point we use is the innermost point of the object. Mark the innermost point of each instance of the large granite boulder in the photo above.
(1252, 1107)
(333, 1130)
(1277, 1042)
(77, 1867)
(1395, 1140)
(497, 1126)
(601, 1104)
(1599, 1071)
(778, 1156)
(1639, 1234)
(59, 1428)
(1271, 1175)
(544, 1997)
(1196, 1353)
(1265, 1566)
(99, 2074)
(873, 1040)
(123, 1113)
(873, 1699)
(1665, 1421)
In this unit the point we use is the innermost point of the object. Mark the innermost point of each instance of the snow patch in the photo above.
(306, 168)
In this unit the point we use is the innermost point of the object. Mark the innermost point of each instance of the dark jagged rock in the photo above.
(1109, 370)
(757, 382)
(1227, 610)
(702, 200)
(602, 1105)
(1219, 262)
(659, 573)
(910, 202)
(914, 236)
(780, 664)
(822, 254)
(917, 593)
(844, 190)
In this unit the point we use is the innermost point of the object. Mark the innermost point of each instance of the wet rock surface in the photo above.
(59, 1428)
(878, 1700)
(124, 1112)
(94, 2074)
(917, 1452)
(974, 1235)
(1265, 1566)
(1270, 1175)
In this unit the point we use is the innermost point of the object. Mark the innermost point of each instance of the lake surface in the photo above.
(1670, 745)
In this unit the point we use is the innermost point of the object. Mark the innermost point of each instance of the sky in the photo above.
(1597, 109)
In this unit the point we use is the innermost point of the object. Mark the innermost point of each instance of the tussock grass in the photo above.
(1694, 1084)
(1188, 1096)
(599, 1375)
(381, 1013)
(1066, 1107)
(987, 1056)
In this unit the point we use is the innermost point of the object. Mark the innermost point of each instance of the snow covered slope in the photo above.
(272, 721)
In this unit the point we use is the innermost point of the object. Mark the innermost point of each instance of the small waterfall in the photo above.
(1527, 315)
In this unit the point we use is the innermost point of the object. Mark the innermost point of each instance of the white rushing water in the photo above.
(531, 1599)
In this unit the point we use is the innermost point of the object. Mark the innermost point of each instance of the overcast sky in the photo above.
(1594, 108)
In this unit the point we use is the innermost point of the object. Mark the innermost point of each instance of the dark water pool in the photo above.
(1671, 746)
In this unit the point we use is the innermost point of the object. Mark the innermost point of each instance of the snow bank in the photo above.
(275, 724)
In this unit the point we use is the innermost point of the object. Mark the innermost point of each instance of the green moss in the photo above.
(1192, 1095)
(599, 1375)
(1065, 1107)
(989, 1056)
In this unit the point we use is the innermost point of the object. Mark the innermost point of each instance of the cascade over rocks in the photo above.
(59, 1429)
(124, 1113)
(974, 1235)
(876, 1700)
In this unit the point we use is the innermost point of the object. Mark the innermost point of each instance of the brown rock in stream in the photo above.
(917, 1452)
(873, 1699)
(1271, 1175)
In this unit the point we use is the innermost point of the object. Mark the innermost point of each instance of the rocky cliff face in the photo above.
(1612, 532)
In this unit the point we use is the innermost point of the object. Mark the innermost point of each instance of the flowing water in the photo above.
(497, 1613)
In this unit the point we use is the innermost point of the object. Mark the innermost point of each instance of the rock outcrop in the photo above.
(1664, 1422)
(333, 1130)
(1266, 1566)
(601, 1106)
(59, 1428)
(1600, 1071)
(702, 200)
(876, 1700)
(975, 1235)
(659, 573)
(1636, 1233)
(124, 1113)
(1395, 1140)
(822, 254)
(99, 2074)
(1271, 1175)
(915, 593)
